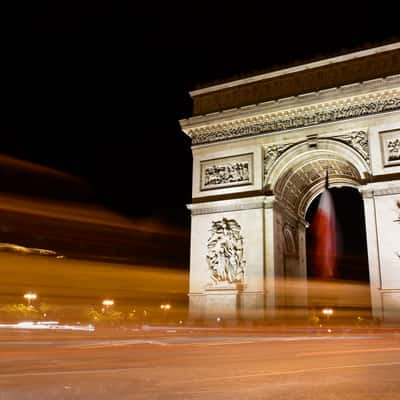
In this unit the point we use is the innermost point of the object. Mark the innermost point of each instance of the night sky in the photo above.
(96, 89)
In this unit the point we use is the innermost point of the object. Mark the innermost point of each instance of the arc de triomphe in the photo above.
(261, 146)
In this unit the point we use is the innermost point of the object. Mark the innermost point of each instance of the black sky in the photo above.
(96, 89)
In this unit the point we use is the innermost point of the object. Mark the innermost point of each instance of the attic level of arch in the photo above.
(355, 100)
(371, 66)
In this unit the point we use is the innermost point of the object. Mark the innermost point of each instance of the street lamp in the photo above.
(165, 308)
(30, 297)
(327, 312)
(107, 303)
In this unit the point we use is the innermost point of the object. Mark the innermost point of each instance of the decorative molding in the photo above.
(390, 147)
(220, 209)
(368, 192)
(225, 252)
(295, 117)
(228, 205)
(272, 153)
(383, 192)
(358, 140)
(389, 291)
(226, 172)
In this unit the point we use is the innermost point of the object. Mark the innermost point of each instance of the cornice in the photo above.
(228, 205)
(298, 68)
(350, 101)
(380, 189)
(252, 203)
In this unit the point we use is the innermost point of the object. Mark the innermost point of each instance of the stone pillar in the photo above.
(373, 253)
(270, 257)
(301, 279)
(210, 296)
(382, 220)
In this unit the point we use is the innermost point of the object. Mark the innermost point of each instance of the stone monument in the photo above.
(261, 146)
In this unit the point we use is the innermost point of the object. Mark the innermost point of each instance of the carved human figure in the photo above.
(361, 141)
(394, 149)
(225, 252)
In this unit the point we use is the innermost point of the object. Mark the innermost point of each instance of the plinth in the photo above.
(222, 300)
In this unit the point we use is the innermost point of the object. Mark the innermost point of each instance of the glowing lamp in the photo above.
(30, 297)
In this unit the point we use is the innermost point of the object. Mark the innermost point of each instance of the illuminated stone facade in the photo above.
(262, 164)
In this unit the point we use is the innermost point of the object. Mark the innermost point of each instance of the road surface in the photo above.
(185, 364)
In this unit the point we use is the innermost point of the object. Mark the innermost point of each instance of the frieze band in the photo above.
(299, 119)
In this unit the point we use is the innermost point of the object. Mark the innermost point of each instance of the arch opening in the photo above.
(352, 263)
(297, 179)
(349, 288)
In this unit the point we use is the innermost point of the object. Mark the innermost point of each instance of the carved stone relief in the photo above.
(272, 153)
(289, 234)
(394, 149)
(390, 144)
(226, 172)
(225, 252)
(358, 140)
(292, 186)
(296, 118)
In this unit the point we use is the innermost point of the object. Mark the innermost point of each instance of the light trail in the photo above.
(210, 379)
(50, 325)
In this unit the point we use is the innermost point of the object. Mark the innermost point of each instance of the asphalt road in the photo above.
(174, 364)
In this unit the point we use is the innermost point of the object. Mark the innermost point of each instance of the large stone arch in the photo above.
(293, 179)
(298, 175)
(268, 161)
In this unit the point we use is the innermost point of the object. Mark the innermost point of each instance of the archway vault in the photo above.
(298, 175)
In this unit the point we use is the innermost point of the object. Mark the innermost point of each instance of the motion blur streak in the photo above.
(302, 302)
(15, 164)
(72, 289)
(72, 211)
(51, 325)
(324, 237)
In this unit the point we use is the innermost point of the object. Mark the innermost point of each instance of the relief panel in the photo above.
(390, 146)
(225, 252)
(226, 172)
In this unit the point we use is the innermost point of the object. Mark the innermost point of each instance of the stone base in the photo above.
(196, 306)
(222, 301)
(391, 305)
(252, 306)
